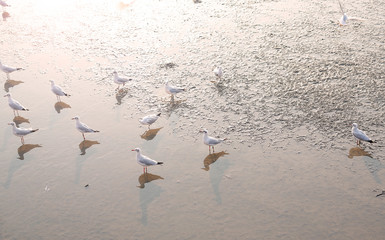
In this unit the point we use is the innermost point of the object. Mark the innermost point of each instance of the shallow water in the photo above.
(293, 83)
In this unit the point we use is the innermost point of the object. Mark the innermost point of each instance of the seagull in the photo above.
(7, 69)
(15, 105)
(83, 128)
(150, 119)
(4, 4)
(211, 141)
(218, 72)
(119, 80)
(144, 160)
(172, 89)
(58, 91)
(344, 17)
(21, 132)
(360, 135)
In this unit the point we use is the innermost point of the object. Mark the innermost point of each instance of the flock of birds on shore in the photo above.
(148, 120)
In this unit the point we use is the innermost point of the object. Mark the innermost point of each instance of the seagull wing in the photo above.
(147, 161)
(360, 135)
(16, 105)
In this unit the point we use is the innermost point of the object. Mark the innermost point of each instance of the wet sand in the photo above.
(293, 83)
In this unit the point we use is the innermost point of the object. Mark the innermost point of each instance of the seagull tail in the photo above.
(371, 141)
(17, 69)
(96, 130)
(25, 109)
(67, 95)
(159, 163)
(34, 130)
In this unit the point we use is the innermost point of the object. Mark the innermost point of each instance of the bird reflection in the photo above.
(60, 106)
(357, 152)
(123, 5)
(19, 120)
(146, 178)
(212, 158)
(85, 145)
(120, 95)
(23, 149)
(11, 83)
(150, 134)
(5, 15)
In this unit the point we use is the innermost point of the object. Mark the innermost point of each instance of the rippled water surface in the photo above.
(294, 82)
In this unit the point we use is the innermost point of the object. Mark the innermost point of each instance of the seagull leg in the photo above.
(22, 140)
(8, 76)
(84, 136)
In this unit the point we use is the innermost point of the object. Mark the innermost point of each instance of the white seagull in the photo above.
(172, 90)
(144, 160)
(360, 135)
(4, 4)
(21, 132)
(58, 91)
(7, 69)
(150, 119)
(15, 105)
(211, 141)
(218, 72)
(83, 128)
(119, 80)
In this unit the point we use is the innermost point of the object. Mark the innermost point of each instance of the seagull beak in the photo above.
(133, 150)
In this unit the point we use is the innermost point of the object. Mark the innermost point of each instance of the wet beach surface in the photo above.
(294, 82)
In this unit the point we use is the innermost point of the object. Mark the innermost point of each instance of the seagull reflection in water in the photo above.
(121, 94)
(357, 152)
(150, 134)
(146, 178)
(11, 83)
(84, 145)
(60, 106)
(5, 15)
(23, 149)
(19, 120)
(212, 158)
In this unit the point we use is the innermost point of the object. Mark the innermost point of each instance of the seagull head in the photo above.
(355, 125)
(136, 150)
(203, 131)
(75, 118)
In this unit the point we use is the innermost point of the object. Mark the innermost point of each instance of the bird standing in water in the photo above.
(144, 160)
(21, 132)
(360, 135)
(83, 128)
